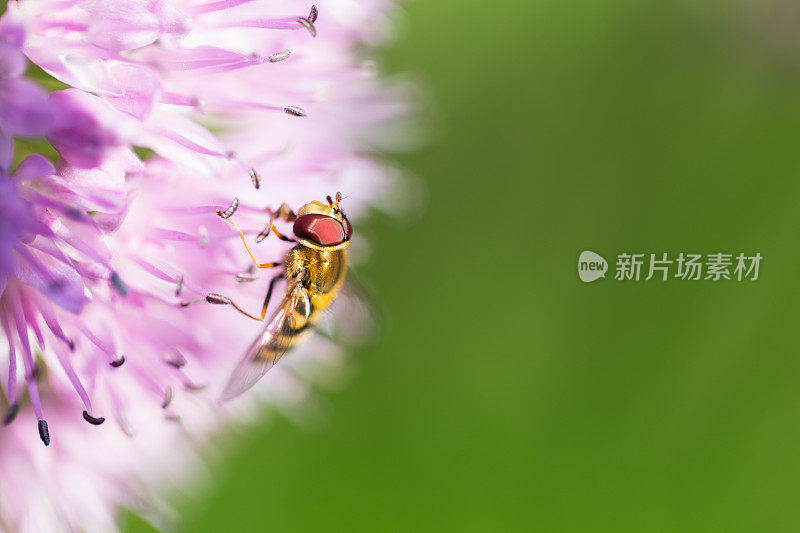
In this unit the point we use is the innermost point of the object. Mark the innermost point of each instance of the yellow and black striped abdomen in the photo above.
(318, 276)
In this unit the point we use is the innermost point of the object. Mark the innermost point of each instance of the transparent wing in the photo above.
(280, 334)
(353, 318)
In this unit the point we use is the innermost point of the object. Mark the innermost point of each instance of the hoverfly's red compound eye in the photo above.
(319, 229)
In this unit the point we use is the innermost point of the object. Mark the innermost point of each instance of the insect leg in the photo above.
(224, 300)
(249, 251)
(284, 212)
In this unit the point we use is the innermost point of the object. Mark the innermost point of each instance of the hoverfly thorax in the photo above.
(323, 226)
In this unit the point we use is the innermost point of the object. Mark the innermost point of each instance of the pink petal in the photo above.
(24, 109)
(59, 283)
(32, 167)
(87, 128)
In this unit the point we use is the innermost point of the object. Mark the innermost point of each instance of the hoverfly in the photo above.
(314, 269)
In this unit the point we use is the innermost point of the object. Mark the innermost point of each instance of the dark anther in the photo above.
(176, 360)
(44, 433)
(92, 420)
(193, 387)
(217, 299)
(11, 414)
(228, 213)
(307, 24)
(167, 399)
(115, 279)
(71, 344)
(178, 284)
(312, 17)
(263, 235)
(118, 363)
(294, 111)
(73, 213)
(56, 285)
(254, 178)
(243, 277)
(35, 371)
(279, 56)
(330, 200)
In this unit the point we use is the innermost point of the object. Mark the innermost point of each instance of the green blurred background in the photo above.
(507, 395)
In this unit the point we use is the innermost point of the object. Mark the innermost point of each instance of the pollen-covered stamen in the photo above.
(228, 213)
(92, 420)
(109, 350)
(167, 398)
(31, 318)
(243, 277)
(27, 359)
(44, 432)
(279, 56)
(192, 386)
(217, 299)
(175, 359)
(178, 284)
(254, 178)
(65, 363)
(307, 24)
(312, 17)
(117, 282)
(294, 111)
(11, 413)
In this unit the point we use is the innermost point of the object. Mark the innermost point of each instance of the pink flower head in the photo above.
(99, 248)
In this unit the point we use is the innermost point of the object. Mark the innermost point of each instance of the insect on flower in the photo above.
(314, 269)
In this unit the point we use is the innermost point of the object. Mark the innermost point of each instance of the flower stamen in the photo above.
(178, 284)
(307, 24)
(279, 56)
(167, 398)
(254, 178)
(11, 413)
(117, 282)
(92, 420)
(228, 213)
(294, 111)
(44, 432)
(217, 299)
